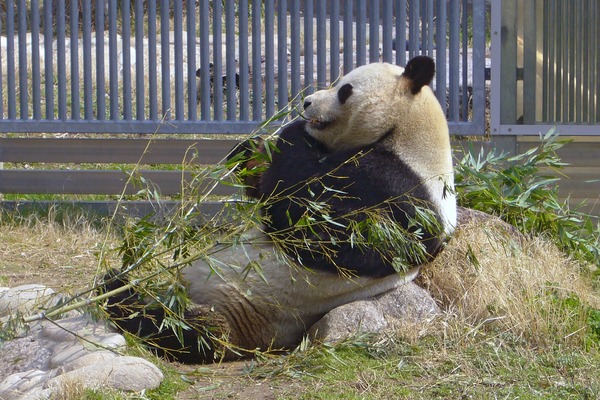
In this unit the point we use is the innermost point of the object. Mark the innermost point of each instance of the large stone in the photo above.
(123, 373)
(407, 303)
(54, 356)
(26, 299)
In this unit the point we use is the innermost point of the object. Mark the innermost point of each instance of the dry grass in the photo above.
(62, 253)
(522, 286)
(510, 326)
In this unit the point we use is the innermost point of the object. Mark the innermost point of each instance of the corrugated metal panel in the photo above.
(549, 61)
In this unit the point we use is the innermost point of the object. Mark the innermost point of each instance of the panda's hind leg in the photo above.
(202, 339)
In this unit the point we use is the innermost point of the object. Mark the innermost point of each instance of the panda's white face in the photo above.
(374, 99)
(360, 102)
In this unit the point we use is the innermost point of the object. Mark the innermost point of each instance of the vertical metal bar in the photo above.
(572, 73)
(165, 59)
(388, 35)
(430, 30)
(464, 102)
(35, 62)
(257, 97)
(140, 93)
(454, 63)
(578, 60)
(48, 56)
(204, 70)
(192, 91)
(282, 73)
(478, 74)
(101, 62)
(126, 66)
(558, 62)
(545, 62)
(1, 79)
(348, 39)
(10, 58)
(594, 63)
(74, 35)
(401, 32)
(23, 61)
(529, 62)
(564, 39)
(334, 43)
(269, 58)
(361, 33)
(551, 32)
(178, 60)
(309, 71)
(413, 28)
(113, 61)
(441, 51)
(88, 84)
(152, 65)
(423, 21)
(508, 71)
(585, 43)
(61, 62)
(296, 43)
(321, 44)
(374, 31)
(217, 70)
(243, 60)
(230, 59)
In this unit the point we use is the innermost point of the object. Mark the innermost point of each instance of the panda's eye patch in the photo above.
(344, 93)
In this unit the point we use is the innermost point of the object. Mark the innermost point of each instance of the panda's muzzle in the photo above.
(319, 124)
(315, 123)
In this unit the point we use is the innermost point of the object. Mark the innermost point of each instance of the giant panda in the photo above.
(376, 143)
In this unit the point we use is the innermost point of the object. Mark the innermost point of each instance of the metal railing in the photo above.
(220, 66)
(547, 56)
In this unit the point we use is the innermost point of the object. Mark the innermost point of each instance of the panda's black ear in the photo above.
(419, 71)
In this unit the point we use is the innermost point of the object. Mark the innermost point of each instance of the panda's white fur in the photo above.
(381, 98)
(274, 308)
(283, 301)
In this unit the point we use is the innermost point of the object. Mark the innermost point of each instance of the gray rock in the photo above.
(19, 384)
(74, 350)
(25, 299)
(407, 303)
(123, 373)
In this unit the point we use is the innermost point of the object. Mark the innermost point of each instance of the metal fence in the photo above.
(220, 66)
(548, 58)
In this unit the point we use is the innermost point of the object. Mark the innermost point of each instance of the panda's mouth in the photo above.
(319, 123)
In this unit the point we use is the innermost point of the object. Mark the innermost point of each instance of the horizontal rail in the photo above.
(103, 182)
(118, 151)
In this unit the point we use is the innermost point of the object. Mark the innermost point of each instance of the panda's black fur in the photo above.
(303, 170)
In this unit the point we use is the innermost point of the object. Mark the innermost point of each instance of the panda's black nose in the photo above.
(307, 104)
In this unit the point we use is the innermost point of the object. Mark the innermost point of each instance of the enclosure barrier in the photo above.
(91, 76)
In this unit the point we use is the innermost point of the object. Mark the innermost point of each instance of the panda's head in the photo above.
(374, 100)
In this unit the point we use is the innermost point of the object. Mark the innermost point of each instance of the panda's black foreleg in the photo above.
(130, 314)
